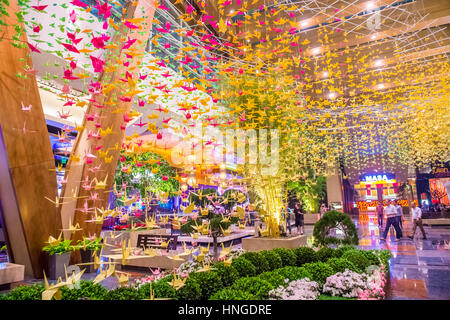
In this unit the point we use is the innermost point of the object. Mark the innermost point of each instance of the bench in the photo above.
(154, 241)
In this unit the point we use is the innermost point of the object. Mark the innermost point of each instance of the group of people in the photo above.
(394, 215)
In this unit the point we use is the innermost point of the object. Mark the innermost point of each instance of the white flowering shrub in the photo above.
(303, 289)
(347, 284)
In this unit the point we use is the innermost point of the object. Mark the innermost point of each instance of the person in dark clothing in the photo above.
(298, 212)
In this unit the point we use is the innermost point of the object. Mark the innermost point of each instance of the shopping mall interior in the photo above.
(224, 150)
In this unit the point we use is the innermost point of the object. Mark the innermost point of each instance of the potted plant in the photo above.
(87, 248)
(58, 257)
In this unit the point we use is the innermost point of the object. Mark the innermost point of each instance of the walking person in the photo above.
(380, 214)
(298, 212)
(416, 213)
(323, 209)
(399, 209)
(391, 214)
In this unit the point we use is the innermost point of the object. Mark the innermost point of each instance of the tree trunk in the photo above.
(215, 246)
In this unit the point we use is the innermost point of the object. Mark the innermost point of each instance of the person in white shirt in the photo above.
(391, 214)
(416, 213)
(399, 209)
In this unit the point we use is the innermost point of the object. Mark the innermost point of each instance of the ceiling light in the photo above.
(381, 86)
(303, 23)
(373, 37)
(370, 5)
(231, 11)
(315, 51)
(331, 95)
(378, 63)
(325, 74)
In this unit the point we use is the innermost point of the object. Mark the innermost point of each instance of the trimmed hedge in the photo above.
(357, 258)
(244, 267)
(209, 282)
(305, 255)
(340, 265)
(325, 253)
(319, 271)
(258, 260)
(272, 258)
(288, 257)
(232, 294)
(228, 274)
(256, 286)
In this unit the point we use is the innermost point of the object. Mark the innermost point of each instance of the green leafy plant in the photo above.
(228, 274)
(288, 257)
(232, 294)
(319, 271)
(340, 265)
(373, 259)
(62, 247)
(193, 197)
(273, 277)
(272, 258)
(209, 282)
(258, 260)
(244, 267)
(339, 251)
(190, 291)
(305, 255)
(91, 244)
(254, 285)
(337, 221)
(87, 290)
(358, 258)
(163, 289)
(327, 297)
(293, 273)
(311, 190)
(125, 293)
(325, 253)
(33, 292)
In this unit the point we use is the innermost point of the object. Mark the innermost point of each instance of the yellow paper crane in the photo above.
(241, 212)
(225, 219)
(228, 261)
(204, 212)
(73, 228)
(164, 220)
(178, 282)
(189, 208)
(54, 242)
(100, 185)
(151, 252)
(225, 251)
(242, 225)
(122, 278)
(126, 251)
(106, 273)
(164, 244)
(226, 232)
(206, 268)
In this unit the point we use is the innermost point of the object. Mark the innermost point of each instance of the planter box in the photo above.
(258, 244)
(144, 261)
(310, 218)
(56, 263)
(86, 257)
(10, 273)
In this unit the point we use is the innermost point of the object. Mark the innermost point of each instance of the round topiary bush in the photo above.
(340, 265)
(357, 258)
(325, 253)
(293, 273)
(125, 293)
(339, 251)
(305, 255)
(87, 290)
(373, 259)
(273, 277)
(288, 257)
(228, 274)
(163, 289)
(232, 294)
(319, 271)
(190, 291)
(33, 292)
(255, 286)
(335, 220)
(244, 267)
(272, 258)
(209, 282)
(258, 261)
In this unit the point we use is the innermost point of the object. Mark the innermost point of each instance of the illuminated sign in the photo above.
(377, 177)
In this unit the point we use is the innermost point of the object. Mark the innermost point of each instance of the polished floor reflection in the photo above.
(419, 269)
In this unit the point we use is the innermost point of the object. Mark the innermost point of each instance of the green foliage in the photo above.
(288, 257)
(62, 247)
(193, 197)
(257, 260)
(358, 258)
(3, 248)
(331, 220)
(339, 251)
(87, 290)
(125, 293)
(319, 271)
(163, 289)
(311, 190)
(273, 277)
(373, 259)
(244, 267)
(384, 255)
(272, 258)
(209, 282)
(232, 294)
(215, 222)
(293, 273)
(33, 292)
(305, 255)
(233, 197)
(228, 274)
(254, 285)
(88, 244)
(325, 253)
(142, 178)
(190, 291)
(340, 265)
